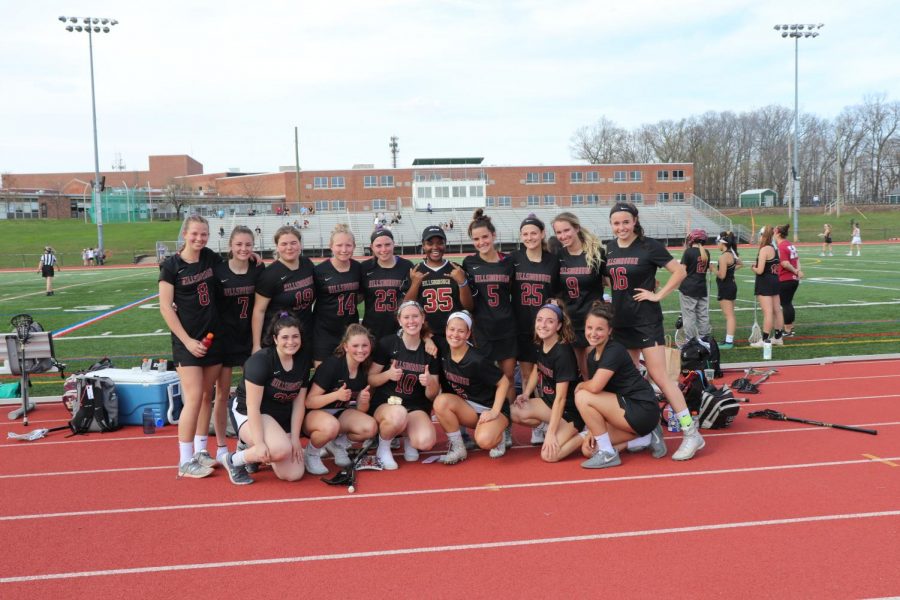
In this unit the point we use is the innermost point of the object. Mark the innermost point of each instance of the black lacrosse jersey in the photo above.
(626, 380)
(491, 285)
(630, 268)
(292, 290)
(235, 303)
(579, 285)
(383, 293)
(280, 387)
(474, 378)
(334, 373)
(413, 363)
(694, 285)
(337, 295)
(196, 288)
(555, 366)
(534, 284)
(438, 295)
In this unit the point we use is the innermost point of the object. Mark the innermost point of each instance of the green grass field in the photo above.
(846, 306)
(875, 225)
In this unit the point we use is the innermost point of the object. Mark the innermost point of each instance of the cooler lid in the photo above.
(136, 376)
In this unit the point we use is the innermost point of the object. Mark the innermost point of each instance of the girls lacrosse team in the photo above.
(436, 339)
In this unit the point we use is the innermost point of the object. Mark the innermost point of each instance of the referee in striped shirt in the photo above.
(47, 267)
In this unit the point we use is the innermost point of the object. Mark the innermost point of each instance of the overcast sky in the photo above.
(227, 81)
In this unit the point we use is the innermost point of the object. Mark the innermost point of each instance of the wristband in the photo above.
(464, 283)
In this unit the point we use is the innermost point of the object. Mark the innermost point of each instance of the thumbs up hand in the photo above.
(344, 393)
(424, 377)
(395, 372)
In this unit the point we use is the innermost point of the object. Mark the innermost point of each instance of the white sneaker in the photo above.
(339, 452)
(822, 254)
(777, 341)
(537, 434)
(690, 443)
(410, 454)
(757, 344)
(499, 450)
(849, 254)
(387, 460)
(456, 453)
(313, 463)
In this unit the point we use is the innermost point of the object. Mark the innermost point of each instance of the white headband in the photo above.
(463, 316)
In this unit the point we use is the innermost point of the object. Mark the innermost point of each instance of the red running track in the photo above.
(767, 509)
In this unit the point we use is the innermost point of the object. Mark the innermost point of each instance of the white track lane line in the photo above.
(848, 378)
(456, 490)
(456, 547)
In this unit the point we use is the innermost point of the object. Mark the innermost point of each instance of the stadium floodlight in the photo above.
(91, 26)
(796, 32)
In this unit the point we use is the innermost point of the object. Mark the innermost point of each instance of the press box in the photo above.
(138, 389)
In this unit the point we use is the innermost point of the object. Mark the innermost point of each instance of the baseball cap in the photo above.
(433, 231)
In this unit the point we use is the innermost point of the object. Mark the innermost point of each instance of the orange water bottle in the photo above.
(208, 340)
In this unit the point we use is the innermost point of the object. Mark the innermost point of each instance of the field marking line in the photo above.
(859, 285)
(881, 460)
(797, 306)
(65, 330)
(815, 400)
(111, 335)
(423, 550)
(65, 287)
(431, 492)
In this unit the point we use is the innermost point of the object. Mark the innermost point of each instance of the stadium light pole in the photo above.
(93, 25)
(797, 31)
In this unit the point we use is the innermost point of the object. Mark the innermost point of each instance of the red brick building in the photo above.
(442, 183)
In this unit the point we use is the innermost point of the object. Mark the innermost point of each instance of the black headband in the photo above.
(532, 220)
(380, 232)
(624, 207)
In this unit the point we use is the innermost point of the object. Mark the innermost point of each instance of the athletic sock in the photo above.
(238, 458)
(310, 447)
(729, 339)
(221, 451)
(684, 418)
(604, 444)
(454, 435)
(186, 451)
(384, 446)
(778, 334)
(200, 442)
(640, 442)
(765, 336)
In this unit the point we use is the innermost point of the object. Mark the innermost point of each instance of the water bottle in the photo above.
(149, 421)
(157, 419)
(767, 350)
(672, 423)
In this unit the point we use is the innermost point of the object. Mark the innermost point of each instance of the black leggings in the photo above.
(786, 291)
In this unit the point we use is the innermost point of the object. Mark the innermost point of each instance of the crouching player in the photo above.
(618, 406)
(474, 393)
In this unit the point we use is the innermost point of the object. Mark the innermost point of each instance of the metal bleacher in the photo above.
(668, 221)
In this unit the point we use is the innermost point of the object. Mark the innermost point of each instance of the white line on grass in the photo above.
(384, 552)
(429, 492)
(66, 287)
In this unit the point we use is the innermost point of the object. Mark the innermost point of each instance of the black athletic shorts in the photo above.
(497, 350)
(182, 357)
(641, 336)
(727, 290)
(46, 271)
(526, 350)
(642, 416)
(766, 286)
(828, 239)
(235, 359)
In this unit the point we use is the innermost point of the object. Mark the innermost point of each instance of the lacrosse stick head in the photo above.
(22, 324)
(755, 334)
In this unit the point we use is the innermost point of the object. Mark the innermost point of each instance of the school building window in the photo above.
(592, 176)
(504, 201)
(320, 183)
(337, 182)
(534, 201)
(370, 181)
(621, 197)
(531, 177)
(637, 198)
(476, 190)
(338, 205)
(662, 197)
(379, 204)
(577, 200)
(442, 191)
(459, 191)
(549, 177)
(678, 196)
(662, 175)
(593, 199)
(576, 177)
(321, 205)
(678, 175)
(424, 192)
(549, 200)
(619, 176)
(636, 176)
(489, 201)
(387, 181)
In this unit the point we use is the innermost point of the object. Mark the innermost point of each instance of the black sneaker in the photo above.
(249, 467)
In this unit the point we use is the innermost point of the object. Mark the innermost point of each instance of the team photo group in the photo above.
(579, 328)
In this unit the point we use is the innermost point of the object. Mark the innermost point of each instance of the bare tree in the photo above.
(178, 196)
(602, 142)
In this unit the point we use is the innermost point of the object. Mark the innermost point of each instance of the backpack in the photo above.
(701, 353)
(97, 407)
(70, 386)
(691, 385)
(718, 408)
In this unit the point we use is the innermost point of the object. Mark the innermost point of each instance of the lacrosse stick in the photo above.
(22, 323)
(360, 461)
(752, 387)
(755, 331)
(777, 416)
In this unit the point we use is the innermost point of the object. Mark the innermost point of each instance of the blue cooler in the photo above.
(137, 390)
